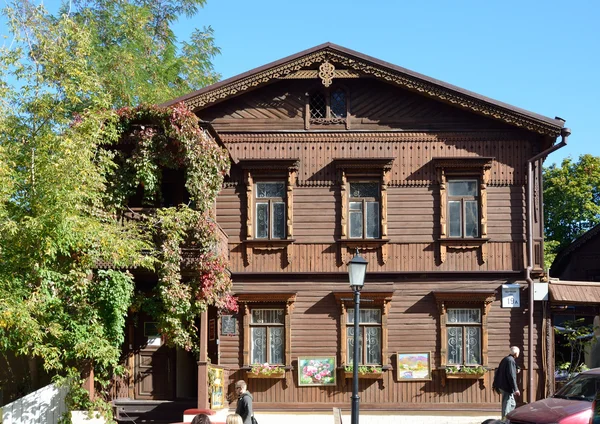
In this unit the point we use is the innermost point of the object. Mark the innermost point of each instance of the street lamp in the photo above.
(357, 268)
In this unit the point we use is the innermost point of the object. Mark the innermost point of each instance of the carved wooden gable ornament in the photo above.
(329, 61)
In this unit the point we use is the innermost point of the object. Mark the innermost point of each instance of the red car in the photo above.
(572, 404)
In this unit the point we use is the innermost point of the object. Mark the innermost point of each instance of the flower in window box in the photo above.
(266, 369)
(465, 371)
(364, 371)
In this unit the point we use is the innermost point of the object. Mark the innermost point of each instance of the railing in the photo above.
(44, 406)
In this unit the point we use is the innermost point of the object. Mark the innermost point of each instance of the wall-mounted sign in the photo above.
(228, 325)
(511, 296)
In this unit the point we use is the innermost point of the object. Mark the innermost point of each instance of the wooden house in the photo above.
(439, 188)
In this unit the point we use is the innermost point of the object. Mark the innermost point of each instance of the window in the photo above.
(328, 106)
(463, 208)
(463, 326)
(463, 204)
(270, 210)
(463, 330)
(266, 322)
(370, 336)
(363, 200)
(268, 336)
(363, 210)
(373, 328)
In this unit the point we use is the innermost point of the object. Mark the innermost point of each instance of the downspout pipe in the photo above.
(564, 133)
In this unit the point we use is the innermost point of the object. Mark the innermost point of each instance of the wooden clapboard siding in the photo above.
(413, 327)
(413, 152)
(405, 257)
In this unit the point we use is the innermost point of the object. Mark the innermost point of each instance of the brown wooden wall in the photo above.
(413, 327)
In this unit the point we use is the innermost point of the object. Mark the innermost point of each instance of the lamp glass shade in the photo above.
(357, 268)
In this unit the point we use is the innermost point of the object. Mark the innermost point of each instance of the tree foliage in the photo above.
(61, 78)
(571, 201)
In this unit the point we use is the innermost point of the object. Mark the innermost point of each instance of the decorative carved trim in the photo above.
(327, 121)
(355, 167)
(463, 166)
(454, 298)
(286, 299)
(314, 74)
(278, 168)
(326, 73)
(384, 73)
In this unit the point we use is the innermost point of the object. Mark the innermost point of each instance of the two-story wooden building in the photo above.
(438, 188)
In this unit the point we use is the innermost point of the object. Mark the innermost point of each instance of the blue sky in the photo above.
(543, 56)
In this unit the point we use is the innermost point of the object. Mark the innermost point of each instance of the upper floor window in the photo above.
(463, 211)
(463, 208)
(268, 336)
(328, 106)
(369, 338)
(270, 210)
(363, 210)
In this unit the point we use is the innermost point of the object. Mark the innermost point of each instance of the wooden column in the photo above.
(203, 402)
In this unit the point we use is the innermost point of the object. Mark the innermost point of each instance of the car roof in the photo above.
(595, 371)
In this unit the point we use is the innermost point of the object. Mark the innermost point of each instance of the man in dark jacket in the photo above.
(244, 403)
(505, 381)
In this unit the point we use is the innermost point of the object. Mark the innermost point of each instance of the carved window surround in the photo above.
(372, 300)
(249, 300)
(375, 169)
(461, 167)
(271, 169)
(475, 298)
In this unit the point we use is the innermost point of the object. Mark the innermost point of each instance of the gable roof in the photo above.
(563, 257)
(351, 64)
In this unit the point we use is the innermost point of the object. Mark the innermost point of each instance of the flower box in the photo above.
(276, 375)
(465, 375)
(365, 375)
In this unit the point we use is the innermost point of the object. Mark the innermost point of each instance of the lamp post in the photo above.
(357, 268)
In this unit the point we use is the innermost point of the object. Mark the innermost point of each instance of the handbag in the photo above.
(254, 420)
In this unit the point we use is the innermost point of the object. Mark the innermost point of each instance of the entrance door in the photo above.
(154, 364)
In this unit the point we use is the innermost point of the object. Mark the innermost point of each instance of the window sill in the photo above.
(365, 376)
(362, 243)
(466, 243)
(465, 376)
(275, 375)
(268, 244)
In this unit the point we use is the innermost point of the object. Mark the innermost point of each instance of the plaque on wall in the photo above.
(228, 325)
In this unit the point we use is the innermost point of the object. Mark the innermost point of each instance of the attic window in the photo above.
(327, 106)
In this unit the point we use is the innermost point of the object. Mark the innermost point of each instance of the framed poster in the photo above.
(413, 366)
(228, 325)
(212, 329)
(316, 371)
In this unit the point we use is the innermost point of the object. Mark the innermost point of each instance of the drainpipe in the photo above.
(564, 133)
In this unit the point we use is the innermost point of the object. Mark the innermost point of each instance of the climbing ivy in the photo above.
(150, 139)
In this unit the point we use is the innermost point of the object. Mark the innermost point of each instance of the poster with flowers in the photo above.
(316, 371)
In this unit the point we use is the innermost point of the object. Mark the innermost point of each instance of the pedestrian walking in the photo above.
(244, 403)
(505, 381)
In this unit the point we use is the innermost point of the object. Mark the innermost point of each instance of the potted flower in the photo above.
(266, 371)
(364, 371)
(465, 371)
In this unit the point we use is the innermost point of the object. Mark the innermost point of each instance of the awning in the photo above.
(580, 292)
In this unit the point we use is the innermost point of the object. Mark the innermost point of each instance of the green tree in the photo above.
(60, 79)
(135, 53)
(571, 201)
